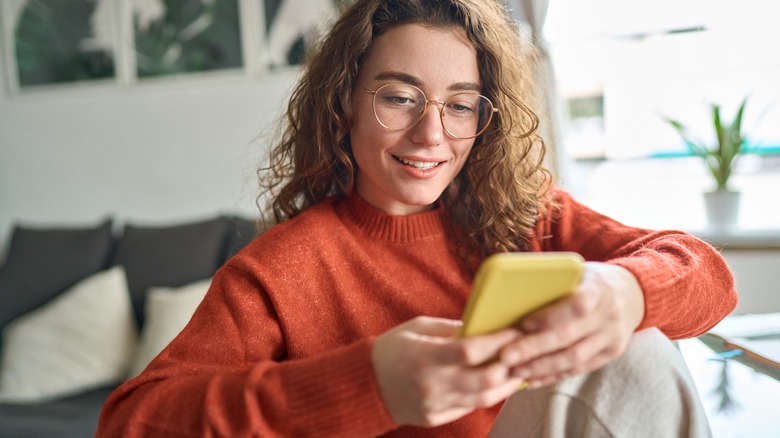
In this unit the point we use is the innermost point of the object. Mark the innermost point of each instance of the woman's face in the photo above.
(404, 172)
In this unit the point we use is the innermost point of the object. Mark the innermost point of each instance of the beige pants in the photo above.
(647, 392)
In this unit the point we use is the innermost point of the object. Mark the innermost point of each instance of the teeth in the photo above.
(422, 165)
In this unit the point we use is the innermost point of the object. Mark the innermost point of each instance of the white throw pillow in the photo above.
(82, 339)
(167, 311)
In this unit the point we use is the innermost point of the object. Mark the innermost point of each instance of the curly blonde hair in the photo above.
(502, 189)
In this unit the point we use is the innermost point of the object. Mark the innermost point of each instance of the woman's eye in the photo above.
(398, 100)
(460, 108)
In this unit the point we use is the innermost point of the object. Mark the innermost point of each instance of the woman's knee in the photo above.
(652, 361)
(650, 381)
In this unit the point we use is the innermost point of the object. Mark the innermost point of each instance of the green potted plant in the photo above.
(722, 203)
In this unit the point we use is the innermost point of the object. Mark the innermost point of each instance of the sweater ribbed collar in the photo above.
(400, 229)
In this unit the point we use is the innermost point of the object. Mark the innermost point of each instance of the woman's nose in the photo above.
(429, 131)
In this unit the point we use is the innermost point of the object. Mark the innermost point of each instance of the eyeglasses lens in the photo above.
(464, 115)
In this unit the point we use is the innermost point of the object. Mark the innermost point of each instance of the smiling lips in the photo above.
(419, 165)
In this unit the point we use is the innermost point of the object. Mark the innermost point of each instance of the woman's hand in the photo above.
(579, 334)
(428, 376)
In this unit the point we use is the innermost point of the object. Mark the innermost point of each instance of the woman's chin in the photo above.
(418, 203)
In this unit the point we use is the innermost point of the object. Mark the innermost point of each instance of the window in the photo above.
(291, 24)
(623, 66)
(62, 42)
(185, 36)
(59, 41)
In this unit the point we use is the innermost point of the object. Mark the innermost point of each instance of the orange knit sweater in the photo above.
(281, 344)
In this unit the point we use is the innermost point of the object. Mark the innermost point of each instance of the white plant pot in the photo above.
(722, 208)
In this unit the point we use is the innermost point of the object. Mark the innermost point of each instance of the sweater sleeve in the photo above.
(225, 375)
(687, 286)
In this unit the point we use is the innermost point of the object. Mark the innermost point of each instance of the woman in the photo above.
(409, 155)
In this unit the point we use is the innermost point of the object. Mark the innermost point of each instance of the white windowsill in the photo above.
(667, 194)
(741, 239)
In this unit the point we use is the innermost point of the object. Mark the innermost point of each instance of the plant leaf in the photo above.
(720, 134)
(721, 158)
(696, 147)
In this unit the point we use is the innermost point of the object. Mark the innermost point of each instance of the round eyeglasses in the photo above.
(400, 106)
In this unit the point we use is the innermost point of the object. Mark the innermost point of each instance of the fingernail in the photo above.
(533, 384)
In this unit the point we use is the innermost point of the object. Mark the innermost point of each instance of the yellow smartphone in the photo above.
(509, 286)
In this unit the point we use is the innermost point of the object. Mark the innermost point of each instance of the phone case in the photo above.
(508, 286)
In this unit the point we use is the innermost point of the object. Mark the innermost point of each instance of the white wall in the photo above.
(187, 149)
(169, 150)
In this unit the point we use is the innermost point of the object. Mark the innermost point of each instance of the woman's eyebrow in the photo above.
(465, 86)
(398, 76)
(413, 80)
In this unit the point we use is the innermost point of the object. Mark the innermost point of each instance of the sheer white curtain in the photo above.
(532, 13)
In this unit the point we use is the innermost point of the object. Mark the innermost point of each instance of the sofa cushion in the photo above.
(167, 311)
(169, 256)
(82, 339)
(241, 231)
(70, 417)
(43, 262)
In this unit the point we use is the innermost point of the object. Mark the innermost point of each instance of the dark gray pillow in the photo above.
(241, 231)
(42, 262)
(169, 256)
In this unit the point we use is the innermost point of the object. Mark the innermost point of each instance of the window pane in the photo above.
(291, 25)
(647, 60)
(59, 41)
(179, 36)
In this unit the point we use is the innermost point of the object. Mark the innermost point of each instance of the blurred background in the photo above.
(155, 112)
(161, 110)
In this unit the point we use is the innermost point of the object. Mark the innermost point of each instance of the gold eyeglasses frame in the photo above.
(442, 106)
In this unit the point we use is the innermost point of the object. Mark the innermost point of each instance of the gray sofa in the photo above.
(42, 263)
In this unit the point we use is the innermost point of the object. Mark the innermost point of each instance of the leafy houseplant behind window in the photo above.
(190, 36)
(722, 204)
(51, 43)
